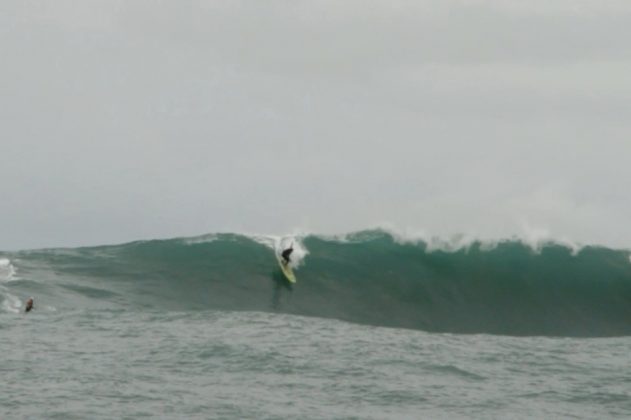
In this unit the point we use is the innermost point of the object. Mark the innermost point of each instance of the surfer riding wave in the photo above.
(287, 253)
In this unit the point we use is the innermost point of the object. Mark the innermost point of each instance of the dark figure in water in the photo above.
(29, 305)
(286, 253)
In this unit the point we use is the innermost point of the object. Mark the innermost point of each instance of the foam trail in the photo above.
(9, 302)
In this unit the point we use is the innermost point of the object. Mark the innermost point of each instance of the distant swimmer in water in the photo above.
(286, 253)
(29, 305)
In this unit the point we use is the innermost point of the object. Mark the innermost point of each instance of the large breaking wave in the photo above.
(369, 277)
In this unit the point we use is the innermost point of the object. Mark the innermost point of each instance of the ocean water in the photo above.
(376, 327)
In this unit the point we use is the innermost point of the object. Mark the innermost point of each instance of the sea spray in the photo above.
(8, 301)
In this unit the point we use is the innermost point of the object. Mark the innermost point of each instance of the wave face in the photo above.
(369, 277)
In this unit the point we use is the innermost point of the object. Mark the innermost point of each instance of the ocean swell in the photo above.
(370, 277)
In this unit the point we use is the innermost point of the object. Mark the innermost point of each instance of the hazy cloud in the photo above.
(126, 120)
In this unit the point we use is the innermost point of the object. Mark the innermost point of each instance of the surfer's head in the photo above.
(29, 304)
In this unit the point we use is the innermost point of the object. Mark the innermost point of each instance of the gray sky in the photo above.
(128, 120)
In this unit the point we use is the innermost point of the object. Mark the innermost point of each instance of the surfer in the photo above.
(286, 253)
(29, 305)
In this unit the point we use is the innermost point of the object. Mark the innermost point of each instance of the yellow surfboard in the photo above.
(287, 271)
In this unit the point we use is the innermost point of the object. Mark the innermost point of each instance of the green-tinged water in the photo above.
(213, 364)
(368, 278)
(374, 328)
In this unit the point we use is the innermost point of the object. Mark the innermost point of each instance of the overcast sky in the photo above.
(124, 120)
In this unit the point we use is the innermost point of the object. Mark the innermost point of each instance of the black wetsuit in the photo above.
(286, 253)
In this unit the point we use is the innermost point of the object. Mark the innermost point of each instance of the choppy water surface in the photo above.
(106, 364)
